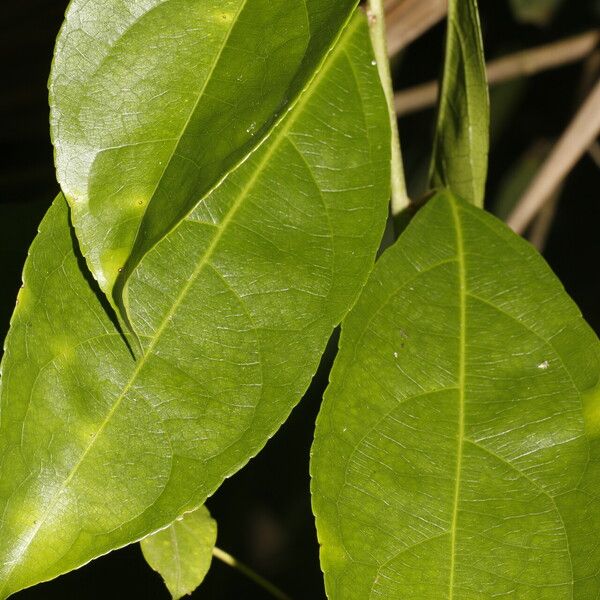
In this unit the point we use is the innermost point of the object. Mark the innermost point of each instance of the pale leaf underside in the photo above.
(460, 150)
(182, 552)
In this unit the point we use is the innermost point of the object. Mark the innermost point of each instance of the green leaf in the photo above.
(233, 309)
(457, 453)
(153, 102)
(18, 226)
(461, 145)
(538, 12)
(182, 552)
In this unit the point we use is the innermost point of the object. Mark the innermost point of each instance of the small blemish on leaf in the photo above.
(543, 365)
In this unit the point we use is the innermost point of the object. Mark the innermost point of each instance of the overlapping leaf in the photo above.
(182, 552)
(154, 101)
(457, 454)
(233, 310)
(461, 145)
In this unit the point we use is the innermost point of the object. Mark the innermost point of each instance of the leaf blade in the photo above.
(461, 144)
(223, 370)
(182, 553)
(453, 453)
(138, 125)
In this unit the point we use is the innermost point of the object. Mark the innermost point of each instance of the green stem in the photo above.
(376, 18)
(250, 574)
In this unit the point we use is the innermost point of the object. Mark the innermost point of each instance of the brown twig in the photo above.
(520, 64)
(542, 224)
(409, 19)
(577, 138)
(540, 229)
(594, 152)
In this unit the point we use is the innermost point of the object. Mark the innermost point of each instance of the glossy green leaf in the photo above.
(154, 101)
(457, 453)
(233, 310)
(182, 552)
(461, 145)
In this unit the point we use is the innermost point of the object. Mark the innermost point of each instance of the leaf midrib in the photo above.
(463, 295)
(286, 123)
(460, 258)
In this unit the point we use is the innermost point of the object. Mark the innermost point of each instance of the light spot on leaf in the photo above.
(591, 411)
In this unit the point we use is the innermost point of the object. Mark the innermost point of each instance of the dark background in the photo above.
(264, 512)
